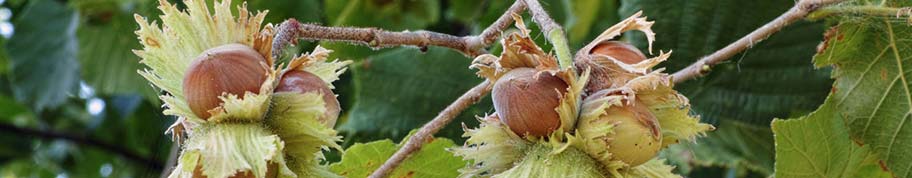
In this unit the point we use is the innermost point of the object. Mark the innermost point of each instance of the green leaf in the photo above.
(433, 160)
(44, 66)
(402, 89)
(11, 108)
(4, 58)
(13, 146)
(818, 145)
(732, 145)
(871, 59)
(773, 79)
(106, 57)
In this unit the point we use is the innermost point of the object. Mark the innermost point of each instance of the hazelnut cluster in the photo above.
(611, 107)
(232, 99)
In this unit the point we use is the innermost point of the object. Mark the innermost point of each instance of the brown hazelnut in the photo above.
(525, 99)
(621, 51)
(232, 69)
(303, 82)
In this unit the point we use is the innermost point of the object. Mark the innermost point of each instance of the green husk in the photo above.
(222, 150)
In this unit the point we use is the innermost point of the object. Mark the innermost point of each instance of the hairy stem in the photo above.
(869, 10)
(553, 32)
(426, 133)
(799, 11)
(291, 30)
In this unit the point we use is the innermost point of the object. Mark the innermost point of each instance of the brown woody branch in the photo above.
(426, 133)
(702, 66)
(291, 30)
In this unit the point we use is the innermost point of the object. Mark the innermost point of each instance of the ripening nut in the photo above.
(303, 82)
(605, 73)
(623, 52)
(525, 99)
(637, 137)
(232, 69)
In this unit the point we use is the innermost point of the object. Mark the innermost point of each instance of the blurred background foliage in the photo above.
(72, 104)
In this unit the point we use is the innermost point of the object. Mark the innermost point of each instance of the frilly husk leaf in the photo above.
(492, 148)
(655, 168)
(170, 49)
(541, 162)
(609, 72)
(298, 120)
(223, 150)
(634, 22)
(671, 109)
(316, 62)
(520, 51)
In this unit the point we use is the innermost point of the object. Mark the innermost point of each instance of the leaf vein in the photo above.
(863, 74)
(805, 155)
(864, 131)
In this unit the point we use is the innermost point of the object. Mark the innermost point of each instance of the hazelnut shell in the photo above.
(525, 100)
(227, 69)
(303, 82)
(623, 52)
(637, 137)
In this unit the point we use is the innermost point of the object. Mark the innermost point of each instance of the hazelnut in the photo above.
(525, 100)
(303, 82)
(606, 74)
(636, 137)
(621, 51)
(232, 69)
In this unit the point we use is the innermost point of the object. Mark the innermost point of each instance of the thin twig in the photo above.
(426, 133)
(291, 30)
(799, 11)
(867, 10)
(76, 138)
(553, 31)
(171, 163)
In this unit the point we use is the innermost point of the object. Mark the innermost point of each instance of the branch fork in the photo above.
(472, 46)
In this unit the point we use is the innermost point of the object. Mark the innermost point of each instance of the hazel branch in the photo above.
(426, 133)
(869, 10)
(553, 31)
(797, 12)
(291, 30)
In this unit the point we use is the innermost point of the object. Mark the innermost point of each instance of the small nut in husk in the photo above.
(232, 69)
(303, 82)
(526, 98)
(637, 137)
